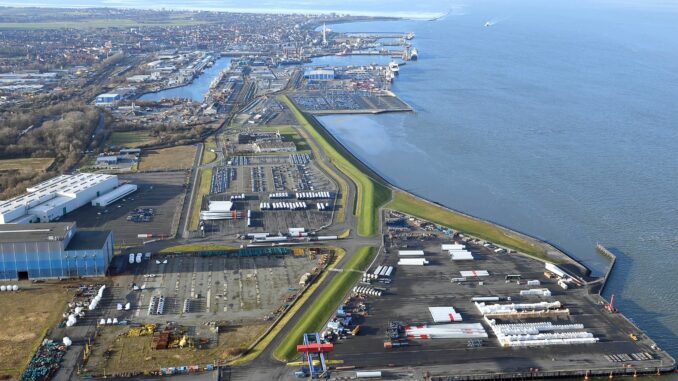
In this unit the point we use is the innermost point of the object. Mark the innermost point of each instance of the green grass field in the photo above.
(204, 184)
(26, 164)
(326, 305)
(371, 193)
(207, 155)
(413, 206)
(129, 139)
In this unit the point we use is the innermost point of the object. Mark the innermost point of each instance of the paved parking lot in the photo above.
(259, 176)
(269, 221)
(161, 191)
(218, 288)
(415, 288)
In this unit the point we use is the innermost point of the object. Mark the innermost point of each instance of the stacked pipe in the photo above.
(238, 197)
(161, 305)
(367, 291)
(312, 195)
(279, 195)
(535, 292)
(109, 321)
(153, 305)
(446, 331)
(207, 215)
(95, 301)
(270, 239)
(486, 309)
(540, 334)
(71, 321)
(287, 205)
(412, 262)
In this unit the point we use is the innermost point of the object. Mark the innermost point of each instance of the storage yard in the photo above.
(347, 101)
(269, 192)
(165, 311)
(469, 311)
(162, 192)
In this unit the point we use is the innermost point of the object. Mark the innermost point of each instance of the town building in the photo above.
(53, 250)
(273, 146)
(108, 99)
(319, 74)
(51, 199)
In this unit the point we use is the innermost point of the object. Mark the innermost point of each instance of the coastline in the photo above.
(375, 175)
(592, 286)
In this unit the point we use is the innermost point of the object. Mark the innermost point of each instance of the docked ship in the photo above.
(414, 55)
(394, 67)
(409, 36)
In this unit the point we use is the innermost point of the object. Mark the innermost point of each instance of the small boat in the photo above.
(488, 24)
(395, 68)
(414, 55)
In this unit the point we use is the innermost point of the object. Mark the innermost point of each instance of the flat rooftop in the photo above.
(10, 233)
(88, 240)
(64, 185)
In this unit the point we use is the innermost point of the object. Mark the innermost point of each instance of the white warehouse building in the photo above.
(51, 199)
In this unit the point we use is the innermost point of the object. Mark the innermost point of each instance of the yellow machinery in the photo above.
(146, 330)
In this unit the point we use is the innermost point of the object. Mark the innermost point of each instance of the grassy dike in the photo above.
(323, 308)
(204, 184)
(406, 203)
(371, 194)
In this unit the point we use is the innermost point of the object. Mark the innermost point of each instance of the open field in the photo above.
(326, 304)
(371, 194)
(204, 185)
(26, 164)
(413, 206)
(26, 317)
(181, 157)
(207, 155)
(129, 139)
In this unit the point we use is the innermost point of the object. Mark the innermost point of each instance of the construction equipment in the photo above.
(145, 330)
(314, 350)
(610, 307)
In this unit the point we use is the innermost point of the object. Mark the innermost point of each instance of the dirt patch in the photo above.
(26, 316)
(181, 157)
(115, 353)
